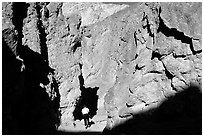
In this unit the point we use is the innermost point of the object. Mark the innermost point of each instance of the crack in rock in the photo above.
(173, 32)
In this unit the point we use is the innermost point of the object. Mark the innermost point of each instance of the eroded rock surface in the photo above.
(129, 57)
(138, 59)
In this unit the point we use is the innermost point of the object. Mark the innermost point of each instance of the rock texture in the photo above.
(90, 12)
(128, 58)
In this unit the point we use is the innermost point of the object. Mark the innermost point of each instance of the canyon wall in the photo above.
(135, 56)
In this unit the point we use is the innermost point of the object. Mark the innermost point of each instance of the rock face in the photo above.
(126, 59)
(90, 12)
(135, 59)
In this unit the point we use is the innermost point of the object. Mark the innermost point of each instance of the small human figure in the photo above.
(85, 112)
(22, 61)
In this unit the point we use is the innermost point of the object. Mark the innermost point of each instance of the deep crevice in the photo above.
(88, 98)
(173, 32)
(145, 17)
(19, 13)
(155, 71)
(76, 45)
(168, 74)
(138, 68)
(156, 55)
(179, 56)
(42, 35)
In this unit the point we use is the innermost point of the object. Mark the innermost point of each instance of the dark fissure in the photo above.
(176, 34)
(19, 13)
(42, 35)
(77, 44)
(89, 98)
(156, 55)
(168, 74)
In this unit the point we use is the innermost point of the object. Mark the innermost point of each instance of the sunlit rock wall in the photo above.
(142, 55)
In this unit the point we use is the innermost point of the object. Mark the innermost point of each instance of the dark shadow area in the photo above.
(42, 35)
(173, 32)
(10, 75)
(89, 98)
(178, 115)
(76, 45)
(30, 96)
(167, 73)
(19, 13)
(27, 108)
(156, 55)
(176, 34)
(77, 133)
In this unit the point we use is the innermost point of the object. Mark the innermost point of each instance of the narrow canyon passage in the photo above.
(89, 98)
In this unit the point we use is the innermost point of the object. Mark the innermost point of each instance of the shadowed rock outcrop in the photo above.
(30, 91)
